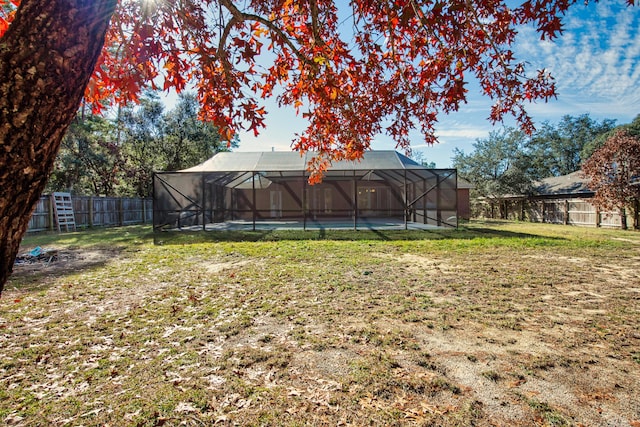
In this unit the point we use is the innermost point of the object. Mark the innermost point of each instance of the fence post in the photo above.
(144, 210)
(120, 212)
(90, 212)
(597, 216)
(50, 212)
(566, 212)
(522, 209)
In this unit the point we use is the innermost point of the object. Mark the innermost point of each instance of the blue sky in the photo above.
(596, 64)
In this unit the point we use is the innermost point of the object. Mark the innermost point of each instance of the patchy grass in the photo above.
(497, 323)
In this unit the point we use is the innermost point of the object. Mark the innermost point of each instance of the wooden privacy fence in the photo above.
(570, 211)
(93, 211)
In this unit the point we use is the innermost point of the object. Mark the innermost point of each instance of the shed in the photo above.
(271, 190)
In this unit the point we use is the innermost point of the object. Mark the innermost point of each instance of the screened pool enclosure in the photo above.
(264, 190)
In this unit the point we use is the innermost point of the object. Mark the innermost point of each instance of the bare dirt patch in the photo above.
(64, 261)
(218, 267)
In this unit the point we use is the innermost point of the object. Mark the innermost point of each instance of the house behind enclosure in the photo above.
(464, 199)
(270, 189)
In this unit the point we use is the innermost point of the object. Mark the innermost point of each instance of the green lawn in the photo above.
(497, 323)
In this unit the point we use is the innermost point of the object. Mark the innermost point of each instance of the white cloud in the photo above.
(472, 133)
(596, 62)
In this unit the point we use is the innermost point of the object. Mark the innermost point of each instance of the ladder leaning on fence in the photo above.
(63, 210)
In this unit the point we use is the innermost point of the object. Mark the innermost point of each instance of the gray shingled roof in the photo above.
(573, 183)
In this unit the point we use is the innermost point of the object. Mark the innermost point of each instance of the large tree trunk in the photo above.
(46, 59)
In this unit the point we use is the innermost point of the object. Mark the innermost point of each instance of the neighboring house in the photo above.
(563, 199)
(270, 189)
(573, 185)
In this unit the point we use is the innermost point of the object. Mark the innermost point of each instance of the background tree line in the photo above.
(117, 156)
(508, 162)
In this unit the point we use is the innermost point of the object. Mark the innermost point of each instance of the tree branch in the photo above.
(420, 14)
(314, 22)
(239, 16)
(220, 52)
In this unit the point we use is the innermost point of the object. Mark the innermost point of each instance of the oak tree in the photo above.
(560, 148)
(355, 71)
(498, 167)
(632, 129)
(188, 140)
(90, 160)
(142, 133)
(154, 140)
(116, 155)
